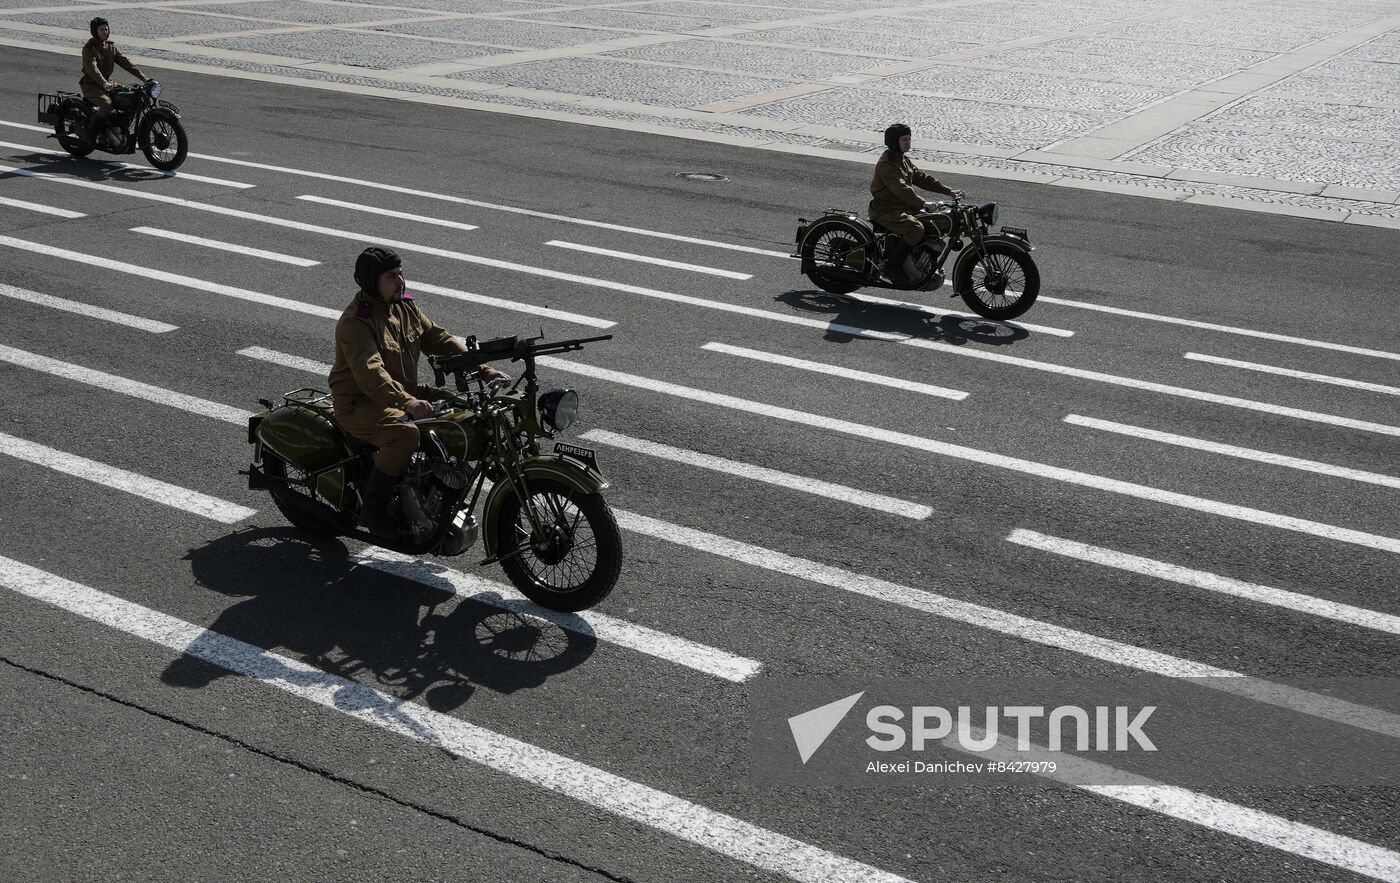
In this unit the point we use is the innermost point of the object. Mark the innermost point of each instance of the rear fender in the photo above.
(853, 224)
(547, 467)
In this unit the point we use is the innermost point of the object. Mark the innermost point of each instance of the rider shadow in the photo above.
(851, 315)
(309, 599)
(89, 168)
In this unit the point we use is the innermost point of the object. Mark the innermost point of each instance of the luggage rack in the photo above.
(48, 106)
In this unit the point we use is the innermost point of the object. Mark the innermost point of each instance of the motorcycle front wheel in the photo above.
(163, 141)
(573, 560)
(69, 129)
(1001, 284)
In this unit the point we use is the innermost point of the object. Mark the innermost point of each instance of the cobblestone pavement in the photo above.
(1291, 107)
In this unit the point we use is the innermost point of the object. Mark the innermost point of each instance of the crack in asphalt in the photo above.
(323, 773)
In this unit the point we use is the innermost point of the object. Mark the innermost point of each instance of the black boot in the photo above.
(88, 135)
(899, 265)
(375, 517)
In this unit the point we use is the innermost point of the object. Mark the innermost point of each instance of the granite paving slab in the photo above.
(801, 63)
(377, 51)
(1270, 35)
(1385, 48)
(877, 45)
(1312, 117)
(7, 5)
(772, 12)
(939, 27)
(147, 24)
(1141, 68)
(1071, 93)
(1288, 157)
(520, 34)
(465, 6)
(302, 12)
(1114, 45)
(621, 81)
(940, 119)
(640, 21)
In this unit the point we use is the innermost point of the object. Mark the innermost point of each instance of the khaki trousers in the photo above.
(381, 427)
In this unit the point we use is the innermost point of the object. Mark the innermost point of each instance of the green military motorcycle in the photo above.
(543, 516)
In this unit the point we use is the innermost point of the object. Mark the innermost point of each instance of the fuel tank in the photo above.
(460, 431)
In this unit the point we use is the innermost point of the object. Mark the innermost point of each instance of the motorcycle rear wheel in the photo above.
(1002, 284)
(575, 563)
(163, 141)
(827, 247)
(69, 128)
(275, 468)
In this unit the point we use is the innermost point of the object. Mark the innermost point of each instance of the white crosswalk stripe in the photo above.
(988, 458)
(82, 309)
(727, 835)
(161, 492)
(1186, 576)
(1200, 444)
(707, 660)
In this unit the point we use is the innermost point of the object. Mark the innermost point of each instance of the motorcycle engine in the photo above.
(116, 138)
(423, 496)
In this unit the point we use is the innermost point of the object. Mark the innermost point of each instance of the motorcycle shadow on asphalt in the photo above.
(850, 311)
(310, 599)
(90, 168)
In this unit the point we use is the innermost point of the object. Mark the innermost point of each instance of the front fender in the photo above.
(158, 113)
(969, 254)
(547, 467)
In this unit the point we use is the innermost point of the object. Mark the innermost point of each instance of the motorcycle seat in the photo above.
(356, 445)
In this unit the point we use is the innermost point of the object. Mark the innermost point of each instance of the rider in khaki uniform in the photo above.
(375, 378)
(894, 199)
(100, 57)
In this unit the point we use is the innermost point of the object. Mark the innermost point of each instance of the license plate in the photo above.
(1018, 232)
(586, 456)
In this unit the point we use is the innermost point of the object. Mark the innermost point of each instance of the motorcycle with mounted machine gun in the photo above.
(543, 516)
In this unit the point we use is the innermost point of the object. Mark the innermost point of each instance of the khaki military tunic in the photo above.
(894, 199)
(99, 60)
(375, 375)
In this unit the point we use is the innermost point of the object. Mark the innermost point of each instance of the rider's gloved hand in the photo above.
(419, 409)
(490, 374)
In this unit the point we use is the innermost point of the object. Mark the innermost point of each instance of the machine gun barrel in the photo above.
(504, 349)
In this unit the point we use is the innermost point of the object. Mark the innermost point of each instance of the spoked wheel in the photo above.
(572, 561)
(292, 499)
(164, 143)
(1002, 284)
(69, 129)
(833, 252)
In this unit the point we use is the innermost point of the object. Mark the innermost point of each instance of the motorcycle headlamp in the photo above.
(558, 408)
(989, 212)
(155, 89)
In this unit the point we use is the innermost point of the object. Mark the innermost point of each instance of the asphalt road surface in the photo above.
(195, 691)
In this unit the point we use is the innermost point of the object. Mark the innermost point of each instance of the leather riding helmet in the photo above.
(95, 24)
(894, 133)
(372, 263)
